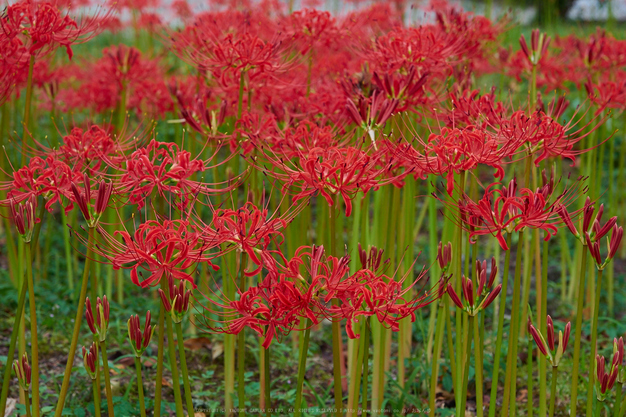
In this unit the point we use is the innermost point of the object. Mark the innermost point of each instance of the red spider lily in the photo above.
(613, 245)
(408, 91)
(23, 371)
(471, 108)
(50, 178)
(40, 27)
(139, 341)
(91, 361)
(455, 150)
(230, 56)
(367, 293)
(444, 256)
(123, 72)
(550, 349)
(248, 229)
(176, 302)
(607, 93)
(471, 304)
(197, 113)
(307, 29)
(163, 167)
(329, 172)
(372, 113)
(277, 304)
(100, 325)
(166, 247)
(505, 210)
(24, 217)
(92, 213)
(539, 43)
(590, 229)
(606, 380)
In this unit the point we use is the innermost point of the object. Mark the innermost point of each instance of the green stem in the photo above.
(26, 402)
(12, 344)
(435, 359)
(68, 254)
(172, 353)
(553, 390)
(95, 386)
(142, 404)
(268, 397)
(77, 322)
(159, 375)
(304, 348)
(363, 348)
(29, 98)
(366, 358)
(107, 378)
(543, 372)
(432, 250)
(598, 408)
(618, 399)
(478, 366)
(336, 332)
(183, 367)
(594, 337)
(500, 332)
(529, 363)
(578, 332)
(468, 356)
(458, 272)
(511, 362)
(33, 329)
(241, 346)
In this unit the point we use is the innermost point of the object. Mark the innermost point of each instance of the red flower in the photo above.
(167, 247)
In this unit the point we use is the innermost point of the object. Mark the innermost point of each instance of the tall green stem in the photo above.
(159, 376)
(77, 322)
(241, 344)
(33, 329)
(336, 332)
(68, 254)
(142, 403)
(478, 366)
(172, 353)
(107, 378)
(183, 367)
(458, 272)
(95, 386)
(468, 356)
(304, 349)
(366, 358)
(435, 359)
(578, 332)
(553, 390)
(29, 98)
(594, 337)
(268, 396)
(501, 310)
(511, 363)
(12, 344)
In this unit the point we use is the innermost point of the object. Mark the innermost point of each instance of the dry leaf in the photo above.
(197, 343)
(217, 350)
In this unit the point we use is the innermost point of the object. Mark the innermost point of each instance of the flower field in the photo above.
(266, 208)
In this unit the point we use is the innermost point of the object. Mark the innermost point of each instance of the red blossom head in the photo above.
(99, 323)
(23, 371)
(549, 348)
(91, 360)
(139, 340)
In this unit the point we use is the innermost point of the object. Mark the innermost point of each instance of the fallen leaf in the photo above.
(217, 350)
(197, 343)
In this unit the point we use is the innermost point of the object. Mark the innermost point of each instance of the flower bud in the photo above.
(23, 372)
(90, 360)
(139, 341)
